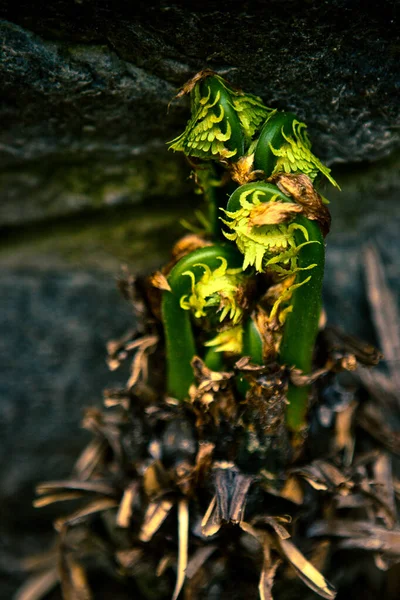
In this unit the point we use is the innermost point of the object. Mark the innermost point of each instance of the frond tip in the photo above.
(295, 155)
(223, 120)
(216, 290)
(264, 240)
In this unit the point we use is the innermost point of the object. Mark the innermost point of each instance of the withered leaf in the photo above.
(38, 586)
(183, 541)
(305, 570)
(269, 565)
(344, 438)
(198, 559)
(340, 343)
(85, 487)
(359, 534)
(300, 187)
(129, 558)
(74, 583)
(97, 505)
(159, 281)
(241, 170)
(156, 480)
(273, 213)
(52, 498)
(90, 458)
(211, 522)
(275, 523)
(126, 506)
(384, 311)
(383, 480)
(267, 576)
(156, 514)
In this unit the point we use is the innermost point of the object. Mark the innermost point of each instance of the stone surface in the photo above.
(54, 330)
(86, 87)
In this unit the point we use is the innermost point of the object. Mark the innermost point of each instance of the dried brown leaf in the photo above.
(203, 460)
(96, 421)
(155, 480)
(275, 523)
(359, 534)
(239, 496)
(341, 345)
(73, 579)
(186, 244)
(90, 459)
(145, 346)
(76, 485)
(159, 281)
(344, 438)
(273, 213)
(52, 498)
(384, 311)
(269, 565)
(43, 561)
(156, 514)
(300, 187)
(183, 541)
(198, 559)
(211, 522)
(189, 85)
(128, 559)
(38, 586)
(322, 475)
(98, 505)
(126, 506)
(383, 480)
(267, 576)
(292, 491)
(241, 170)
(305, 570)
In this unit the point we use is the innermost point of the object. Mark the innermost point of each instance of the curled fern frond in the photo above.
(179, 337)
(263, 238)
(215, 289)
(284, 146)
(223, 121)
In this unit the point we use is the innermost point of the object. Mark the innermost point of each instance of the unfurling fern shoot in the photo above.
(273, 221)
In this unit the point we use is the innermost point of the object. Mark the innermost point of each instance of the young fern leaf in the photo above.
(223, 121)
(256, 233)
(281, 249)
(216, 290)
(230, 340)
(195, 287)
(284, 146)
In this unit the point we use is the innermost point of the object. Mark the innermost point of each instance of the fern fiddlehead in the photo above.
(202, 283)
(275, 228)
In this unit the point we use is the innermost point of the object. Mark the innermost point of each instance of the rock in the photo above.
(54, 330)
(86, 87)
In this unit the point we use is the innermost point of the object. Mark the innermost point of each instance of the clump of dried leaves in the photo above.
(211, 499)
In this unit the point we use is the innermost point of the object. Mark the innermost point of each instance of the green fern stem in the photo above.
(301, 325)
(179, 337)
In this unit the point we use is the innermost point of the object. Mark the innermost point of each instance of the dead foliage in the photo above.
(207, 498)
